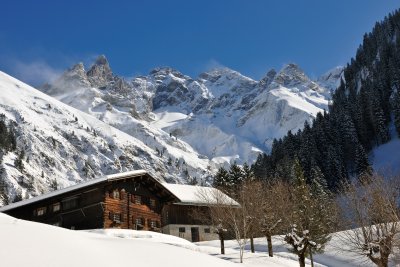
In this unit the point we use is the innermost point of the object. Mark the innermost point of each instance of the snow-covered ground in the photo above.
(25, 243)
(31, 244)
(386, 158)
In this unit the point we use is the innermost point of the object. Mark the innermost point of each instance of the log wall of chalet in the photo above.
(131, 205)
(81, 209)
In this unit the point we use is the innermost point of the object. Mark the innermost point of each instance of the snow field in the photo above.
(26, 243)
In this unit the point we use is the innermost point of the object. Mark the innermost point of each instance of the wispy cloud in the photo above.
(213, 64)
(35, 73)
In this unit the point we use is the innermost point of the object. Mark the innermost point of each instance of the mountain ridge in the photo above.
(214, 95)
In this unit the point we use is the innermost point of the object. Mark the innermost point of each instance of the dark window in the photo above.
(182, 229)
(56, 207)
(207, 230)
(41, 211)
(116, 194)
(138, 200)
(117, 217)
(70, 203)
(139, 221)
(153, 224)
(152, 202)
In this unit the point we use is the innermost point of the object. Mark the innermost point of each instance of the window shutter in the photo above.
(121, 217)
(110, 215)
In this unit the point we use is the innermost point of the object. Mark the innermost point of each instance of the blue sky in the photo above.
(39, 39)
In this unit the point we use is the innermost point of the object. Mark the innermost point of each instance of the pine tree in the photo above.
(3, 185)
(362, 165)
(18, 161)
(396, 111)
(248, 173)
(236, 175)
(221, 178)
(53, 185)
(310, 224)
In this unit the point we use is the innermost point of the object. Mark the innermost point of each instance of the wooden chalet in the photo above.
(130, 200)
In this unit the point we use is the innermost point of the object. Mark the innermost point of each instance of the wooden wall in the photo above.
(86, 214)
(185, 214)
(122, 210)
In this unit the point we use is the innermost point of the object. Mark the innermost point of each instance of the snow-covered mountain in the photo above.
(222, 114)
(67, 145)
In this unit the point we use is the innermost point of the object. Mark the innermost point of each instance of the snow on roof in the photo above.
(187, 194)
(107, 178)
(199, 195)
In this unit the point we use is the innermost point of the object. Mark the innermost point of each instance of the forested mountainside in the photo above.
(365, 108)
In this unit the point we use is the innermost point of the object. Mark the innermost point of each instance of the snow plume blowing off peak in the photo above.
(222, 114)
(35, 72)
(58, 145)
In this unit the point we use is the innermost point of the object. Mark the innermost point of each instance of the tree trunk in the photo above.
(302, 259)
(241, 253)
(311, 257)
(269, 240)
(221, 238)
(252, 244)
(384, 262)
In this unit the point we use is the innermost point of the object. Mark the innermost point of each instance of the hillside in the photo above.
(353, 137)
(58, 146)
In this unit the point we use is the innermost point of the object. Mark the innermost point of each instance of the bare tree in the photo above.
(275, 206)
(234, 215)
(252, 194)
(369, 207)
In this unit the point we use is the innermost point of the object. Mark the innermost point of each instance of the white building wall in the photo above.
(204, 235)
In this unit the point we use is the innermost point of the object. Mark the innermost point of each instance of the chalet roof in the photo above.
(186, 194)
(107, 178)
(199, 195)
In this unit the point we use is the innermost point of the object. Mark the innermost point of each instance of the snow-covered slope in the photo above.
(70, 146)
(41, 246)
(34, 244)
(385, 158)
(222, 114)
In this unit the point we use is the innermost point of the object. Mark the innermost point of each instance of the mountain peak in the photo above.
(291, 68)
(101, 60)
(78, 69)
(291, 75)
(331, 78)
(100, 73)
(268, 78)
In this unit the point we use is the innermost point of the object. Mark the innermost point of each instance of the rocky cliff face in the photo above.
(221, 114)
